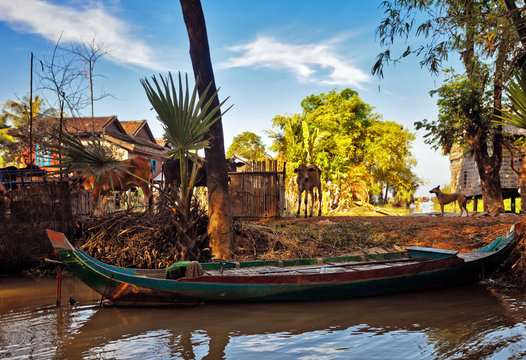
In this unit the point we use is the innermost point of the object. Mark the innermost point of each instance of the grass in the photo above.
(453, 207)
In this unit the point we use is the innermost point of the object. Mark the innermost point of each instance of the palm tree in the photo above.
(91, 159)
(220, 226)
(5, 138)
(19, 115)
(186, 122)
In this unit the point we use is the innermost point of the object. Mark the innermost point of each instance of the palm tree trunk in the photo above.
(220, 225)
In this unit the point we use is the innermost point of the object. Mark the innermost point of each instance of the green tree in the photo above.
(288, 139)
(17, 114)
(388, 158)
(341, 134)
(249, 146)
(481, 33)
(5, 138)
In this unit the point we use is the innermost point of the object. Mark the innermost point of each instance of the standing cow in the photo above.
(142, 171)
(308, 178)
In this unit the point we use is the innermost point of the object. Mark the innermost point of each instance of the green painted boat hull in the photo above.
(136, 286)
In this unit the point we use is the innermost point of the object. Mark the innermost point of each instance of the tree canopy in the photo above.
(5, 138)
(16, 114)
(483, 34)
(249, 146)
(341, 134)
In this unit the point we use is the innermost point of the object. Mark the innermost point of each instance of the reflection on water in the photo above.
(463, 323)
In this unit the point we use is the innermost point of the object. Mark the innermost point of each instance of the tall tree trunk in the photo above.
(488, 166)
(220, 226)
(489, 172)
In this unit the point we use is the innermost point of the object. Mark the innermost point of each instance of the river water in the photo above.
(462, 323)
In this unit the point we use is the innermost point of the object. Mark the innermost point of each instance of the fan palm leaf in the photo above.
(516, 115)
(92, 159)
(186, 119)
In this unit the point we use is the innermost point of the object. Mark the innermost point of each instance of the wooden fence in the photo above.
(258, 191)
(26, 212)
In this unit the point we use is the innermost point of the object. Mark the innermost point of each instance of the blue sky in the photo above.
(267, 55)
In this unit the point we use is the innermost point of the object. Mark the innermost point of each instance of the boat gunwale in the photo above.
(110, 271)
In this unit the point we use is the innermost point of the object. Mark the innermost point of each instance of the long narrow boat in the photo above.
(415, 269)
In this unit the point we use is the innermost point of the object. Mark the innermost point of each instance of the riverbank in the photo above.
(139, 240)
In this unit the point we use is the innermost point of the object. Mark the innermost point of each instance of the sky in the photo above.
(267, 56)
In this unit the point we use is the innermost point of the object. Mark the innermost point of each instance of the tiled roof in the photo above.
(125, 130)
(133, 127)
(160, 142)
(87, 124)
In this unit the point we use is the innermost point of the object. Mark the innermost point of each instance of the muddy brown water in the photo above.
(463, 323)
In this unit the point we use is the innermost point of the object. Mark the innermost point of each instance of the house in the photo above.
(127, 138)
(465, 177)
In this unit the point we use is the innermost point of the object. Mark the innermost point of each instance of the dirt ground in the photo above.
(448, 232)
(372, 234)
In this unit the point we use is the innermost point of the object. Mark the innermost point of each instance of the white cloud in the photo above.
(303, 60)
(78, 26)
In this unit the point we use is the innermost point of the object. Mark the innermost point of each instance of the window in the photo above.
(154, 165)
(42, 157)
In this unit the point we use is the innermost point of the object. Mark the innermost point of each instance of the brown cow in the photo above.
(122, 181)
(309, 177)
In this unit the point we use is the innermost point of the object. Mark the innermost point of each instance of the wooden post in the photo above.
(58, 265)
(59, 284)
(31, 114)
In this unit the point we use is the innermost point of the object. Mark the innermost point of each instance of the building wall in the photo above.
(465, 177)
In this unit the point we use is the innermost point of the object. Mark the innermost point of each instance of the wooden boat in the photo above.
(415, 269)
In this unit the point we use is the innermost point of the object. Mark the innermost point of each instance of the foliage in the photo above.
(16, 114)
(91, 159)
(340, 133)
(388, 158)
(5, 138)
(288, 140)
(436, 28)
(249, 146)
(353, 187)
(483, 35)
(458, 101)
(516, 114)
(186, 121)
